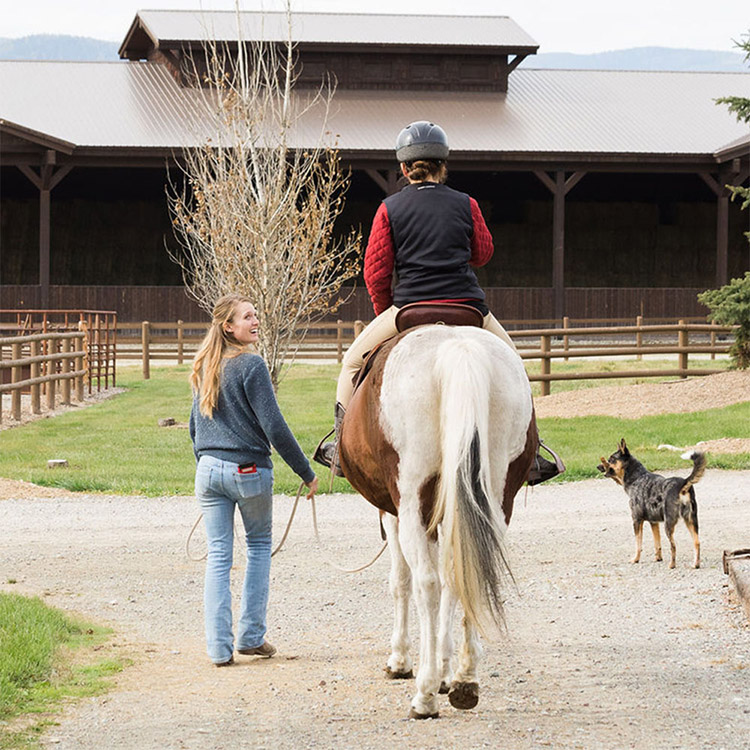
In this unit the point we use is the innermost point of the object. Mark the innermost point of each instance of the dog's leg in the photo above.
(657, 541)
(638, 528)
(696, 542)
(669, 525)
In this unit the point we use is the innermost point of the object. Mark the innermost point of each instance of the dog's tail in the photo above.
(699, 467)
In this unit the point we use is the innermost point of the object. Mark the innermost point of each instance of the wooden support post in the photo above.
(682, 342)
(145, 341)
(559, 187)
(16, 377)
(180, 342)
(65, 385)
(339, 341)
(36, 406)
(566, 341)
(359, 326)
(546, 364)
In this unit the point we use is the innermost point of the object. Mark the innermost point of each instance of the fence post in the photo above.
(180, 341)
(713, 343)
(65, 370)
(339, 341)
(80, 367)
(16, 377)
(36, 407)
(145, 340)
(359, 326)
(682, 342)
(546, 364)
(639, 336)
(566, 324)
(51, 370)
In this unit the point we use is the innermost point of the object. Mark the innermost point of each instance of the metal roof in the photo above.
(139, 105)
(176, 26)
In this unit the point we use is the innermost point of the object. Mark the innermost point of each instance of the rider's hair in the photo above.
(422, 169)
(205, 377)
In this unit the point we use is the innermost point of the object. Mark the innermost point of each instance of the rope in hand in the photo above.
(286, 534)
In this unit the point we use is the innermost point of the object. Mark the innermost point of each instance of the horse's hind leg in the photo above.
(421, 554)
(445, 636)
(399, 662)
(464, 690)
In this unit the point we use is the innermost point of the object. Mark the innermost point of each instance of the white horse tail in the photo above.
(466, 505)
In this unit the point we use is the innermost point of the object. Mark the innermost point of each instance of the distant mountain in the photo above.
(643, 58)
(60, 47)
(57, 47)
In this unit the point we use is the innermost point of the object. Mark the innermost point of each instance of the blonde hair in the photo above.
(205, 377)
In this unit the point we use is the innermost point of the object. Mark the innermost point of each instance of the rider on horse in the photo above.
(431, 235)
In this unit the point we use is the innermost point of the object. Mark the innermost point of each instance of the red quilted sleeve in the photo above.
(481, 241)
(379, 258)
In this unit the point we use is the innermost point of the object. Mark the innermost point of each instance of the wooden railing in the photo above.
(50, 359)
(545, 351)
(100, 327)
(177, 342)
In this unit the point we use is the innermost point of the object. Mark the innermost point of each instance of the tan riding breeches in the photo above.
(382, 328)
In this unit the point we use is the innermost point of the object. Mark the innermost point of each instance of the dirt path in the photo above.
(600, 653)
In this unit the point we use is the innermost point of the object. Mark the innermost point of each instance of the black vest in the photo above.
(432, 228)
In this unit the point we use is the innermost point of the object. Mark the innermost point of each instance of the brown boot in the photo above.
(327, 453)
(542, 469)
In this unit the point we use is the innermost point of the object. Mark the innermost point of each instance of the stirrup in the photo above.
(542, 469)
(322, 456)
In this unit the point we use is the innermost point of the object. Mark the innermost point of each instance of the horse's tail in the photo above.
(466, 504)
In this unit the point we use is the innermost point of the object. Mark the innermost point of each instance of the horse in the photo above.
(440, 436)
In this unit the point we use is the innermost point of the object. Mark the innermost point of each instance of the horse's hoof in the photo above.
(464, 695)
(391, 675)
(416, 715)
(444, 688)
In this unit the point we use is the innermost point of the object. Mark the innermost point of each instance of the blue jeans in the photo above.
(219, 487)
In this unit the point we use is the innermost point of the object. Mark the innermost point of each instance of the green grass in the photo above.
(117, 446)
(45, 659)
(582, 440)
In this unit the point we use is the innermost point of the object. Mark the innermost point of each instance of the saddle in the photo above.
(431, 313)
(425, 313)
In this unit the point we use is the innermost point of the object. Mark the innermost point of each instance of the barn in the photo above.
(605, 191)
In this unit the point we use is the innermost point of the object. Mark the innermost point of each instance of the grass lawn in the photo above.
(44, 658)
(117, 447)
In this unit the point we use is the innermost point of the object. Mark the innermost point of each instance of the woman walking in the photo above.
(234, 421)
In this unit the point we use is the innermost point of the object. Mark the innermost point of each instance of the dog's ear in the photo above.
(623, 448)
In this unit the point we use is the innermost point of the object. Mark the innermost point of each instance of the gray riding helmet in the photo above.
(422, 140)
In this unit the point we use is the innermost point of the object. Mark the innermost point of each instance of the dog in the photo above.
(655, 498)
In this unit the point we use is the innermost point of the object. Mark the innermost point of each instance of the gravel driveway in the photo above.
(599, 654)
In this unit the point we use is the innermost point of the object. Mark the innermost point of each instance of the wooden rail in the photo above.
(177, 342)
(100, 327)
(65, 362)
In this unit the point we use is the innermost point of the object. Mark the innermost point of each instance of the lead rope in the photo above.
(286, 534)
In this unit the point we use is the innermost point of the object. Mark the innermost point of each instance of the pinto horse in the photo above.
(440, 436)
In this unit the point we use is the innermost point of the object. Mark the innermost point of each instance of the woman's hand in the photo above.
(312, 485)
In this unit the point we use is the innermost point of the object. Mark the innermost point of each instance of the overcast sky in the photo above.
(579, 26)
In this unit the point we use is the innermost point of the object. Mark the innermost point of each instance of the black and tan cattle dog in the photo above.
(655, 498)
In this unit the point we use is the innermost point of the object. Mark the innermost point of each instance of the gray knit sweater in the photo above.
(247, 420)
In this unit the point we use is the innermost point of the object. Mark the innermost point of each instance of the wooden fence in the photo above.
(177, 342)
(49, 359)
(100, 327)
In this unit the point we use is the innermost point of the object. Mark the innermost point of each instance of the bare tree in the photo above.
(256, 209)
